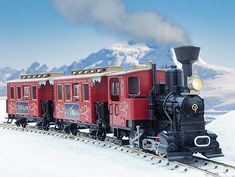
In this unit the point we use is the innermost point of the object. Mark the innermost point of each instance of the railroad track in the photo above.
(204, 166)
(220, 168)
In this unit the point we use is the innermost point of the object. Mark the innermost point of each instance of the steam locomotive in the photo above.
(156, 110)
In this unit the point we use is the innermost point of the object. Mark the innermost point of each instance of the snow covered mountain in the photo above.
(8, 73)
(219, 92)
(122, 54)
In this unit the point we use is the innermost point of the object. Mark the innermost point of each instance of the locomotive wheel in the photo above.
(172, 148)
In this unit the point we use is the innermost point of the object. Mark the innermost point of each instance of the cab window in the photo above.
(115, 89)
(133, 86)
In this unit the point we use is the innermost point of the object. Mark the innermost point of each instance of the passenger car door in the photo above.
(115, 97)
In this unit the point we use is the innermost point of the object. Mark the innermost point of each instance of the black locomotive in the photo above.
(181, 110)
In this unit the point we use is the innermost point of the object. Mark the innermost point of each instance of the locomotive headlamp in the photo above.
(195, 83)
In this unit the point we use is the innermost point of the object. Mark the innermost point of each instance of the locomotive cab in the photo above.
(128, 102)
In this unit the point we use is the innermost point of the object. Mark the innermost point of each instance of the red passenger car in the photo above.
(27, 96)
(76, 97)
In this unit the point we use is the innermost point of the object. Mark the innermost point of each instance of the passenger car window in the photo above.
(34, 93)
(67, 93)
(85, 92)
(18, 93)
(76, 94)
(133, 86)
(12, 93)
(26, 92)
(59, 92)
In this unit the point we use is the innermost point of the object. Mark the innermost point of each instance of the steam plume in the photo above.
(112, 15)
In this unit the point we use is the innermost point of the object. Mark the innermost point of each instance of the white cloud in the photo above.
(112, 15)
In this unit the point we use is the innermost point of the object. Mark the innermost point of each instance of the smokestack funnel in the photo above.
(187, 55)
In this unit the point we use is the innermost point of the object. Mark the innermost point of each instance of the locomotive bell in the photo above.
(187, 55)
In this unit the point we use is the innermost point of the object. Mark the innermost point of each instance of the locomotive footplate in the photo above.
(211, 151)
(177, 156)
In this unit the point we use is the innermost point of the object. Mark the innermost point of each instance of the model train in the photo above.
(156, 110)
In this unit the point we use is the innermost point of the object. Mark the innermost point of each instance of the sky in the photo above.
(36, 30)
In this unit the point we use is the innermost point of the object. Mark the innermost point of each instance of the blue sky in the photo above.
(35, 31)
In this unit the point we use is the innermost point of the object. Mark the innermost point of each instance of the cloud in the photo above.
(112, 15)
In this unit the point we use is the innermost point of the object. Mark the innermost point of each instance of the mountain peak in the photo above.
(36, 68)
(128, 47)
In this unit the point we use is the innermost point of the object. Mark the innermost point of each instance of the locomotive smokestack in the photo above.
(187, 55)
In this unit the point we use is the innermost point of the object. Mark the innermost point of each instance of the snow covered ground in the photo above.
(26, 154)
(3, 113)
(224, 128)
(31, 155)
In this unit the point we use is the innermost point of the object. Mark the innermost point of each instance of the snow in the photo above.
(223, 126)
(26, 154)
(125, 47)
(129, 54)
(45, 156)
(3, 113)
